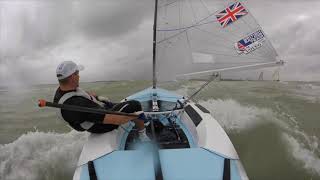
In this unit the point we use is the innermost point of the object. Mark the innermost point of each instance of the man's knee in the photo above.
(128, 106)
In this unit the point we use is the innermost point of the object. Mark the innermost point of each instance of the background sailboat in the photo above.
(261, 76)
(276, 75)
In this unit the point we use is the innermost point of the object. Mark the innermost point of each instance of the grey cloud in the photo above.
(42, 24)
(32, 25)
(292, 25)
(111, 19)
(43, 32)
(49, 26)
(298, 38)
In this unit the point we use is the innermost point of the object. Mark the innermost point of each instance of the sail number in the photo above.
(250, 43)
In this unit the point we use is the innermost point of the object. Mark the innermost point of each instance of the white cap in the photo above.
(67, 68)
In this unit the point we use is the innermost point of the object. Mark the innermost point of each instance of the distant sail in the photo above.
(276, 75)
(206, 36)
(261, 76)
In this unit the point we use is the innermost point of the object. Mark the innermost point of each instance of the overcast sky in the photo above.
(113, 39)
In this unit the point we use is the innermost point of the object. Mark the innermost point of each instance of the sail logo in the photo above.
(231, 14)
(250, 43)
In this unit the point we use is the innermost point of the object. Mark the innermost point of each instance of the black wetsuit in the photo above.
(75, 118)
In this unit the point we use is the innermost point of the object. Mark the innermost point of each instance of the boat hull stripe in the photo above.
(195, 117)
(226, 169)
(92, 171)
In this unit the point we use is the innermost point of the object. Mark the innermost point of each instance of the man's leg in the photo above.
(139, 123)
(131, 107)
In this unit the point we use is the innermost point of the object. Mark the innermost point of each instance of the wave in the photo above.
(309, 92)
(308, 86)
(234, 116)
(45, 156)
(182, 91)
(41, 156)
(302, 154)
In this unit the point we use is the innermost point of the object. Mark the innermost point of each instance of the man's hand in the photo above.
(92, 94)
(141, 115)
(102, 99)
(107, 103)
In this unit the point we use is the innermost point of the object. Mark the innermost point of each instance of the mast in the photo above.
(154, 44)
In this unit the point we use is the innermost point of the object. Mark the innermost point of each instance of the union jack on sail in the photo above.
(231, 14)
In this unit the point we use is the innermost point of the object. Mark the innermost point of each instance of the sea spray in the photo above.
(235, 117)
(272, 108)
(308, 158)
(41, 156)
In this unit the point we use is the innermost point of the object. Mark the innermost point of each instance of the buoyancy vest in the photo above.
(79, 92)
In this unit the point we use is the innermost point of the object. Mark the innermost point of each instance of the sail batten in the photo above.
(208, 35)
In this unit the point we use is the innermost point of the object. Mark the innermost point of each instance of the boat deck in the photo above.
(190, 163)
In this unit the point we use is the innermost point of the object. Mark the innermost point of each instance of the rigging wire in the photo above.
(168, 4)
(222, 40)
(180, 12)
(216, 53)
(203, 4)
(197, 23)
(194, 14)
(212, 78)
(263, 49)
(188, 41)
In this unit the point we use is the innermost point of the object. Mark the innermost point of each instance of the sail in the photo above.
(206, 36)
(276, 75)
(261, 76)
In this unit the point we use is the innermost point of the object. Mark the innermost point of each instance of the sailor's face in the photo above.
(76, 78)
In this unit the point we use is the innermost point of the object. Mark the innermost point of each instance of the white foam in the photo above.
(234, 116)
(183, 91)
(310, 92)
(38, 155)
(308, 86)
(301, 153)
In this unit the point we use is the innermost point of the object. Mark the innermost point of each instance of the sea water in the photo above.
(274, 126)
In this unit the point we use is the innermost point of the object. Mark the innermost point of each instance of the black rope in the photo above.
(85, 109)
(92, 171)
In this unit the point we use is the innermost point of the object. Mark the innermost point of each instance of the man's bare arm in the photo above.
(116, 119)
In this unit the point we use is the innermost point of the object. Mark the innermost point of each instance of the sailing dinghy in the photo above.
(191, 38)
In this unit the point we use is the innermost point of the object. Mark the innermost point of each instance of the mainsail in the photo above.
(199, 37)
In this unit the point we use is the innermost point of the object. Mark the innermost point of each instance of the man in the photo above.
(69, 93)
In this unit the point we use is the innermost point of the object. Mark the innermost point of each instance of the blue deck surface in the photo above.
(121, 165)
(184, 164)
(195, 163)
